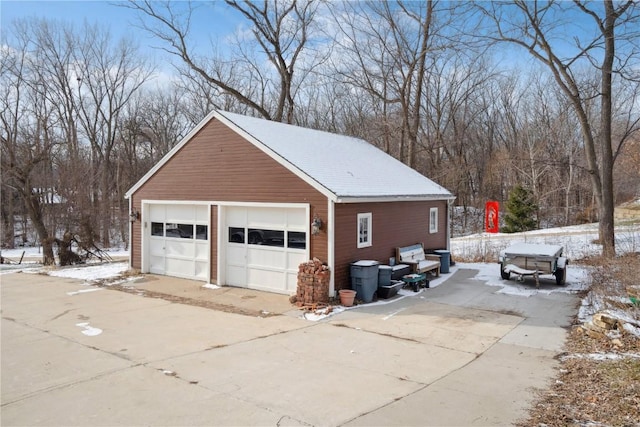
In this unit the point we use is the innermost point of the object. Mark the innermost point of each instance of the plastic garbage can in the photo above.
(364, 279)
(445, 259)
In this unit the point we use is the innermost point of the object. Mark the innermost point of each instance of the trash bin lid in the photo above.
(365, 263)
(441, 251)
(385, 267)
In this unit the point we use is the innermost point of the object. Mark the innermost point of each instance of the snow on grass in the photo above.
(92, 272)
(577, 240)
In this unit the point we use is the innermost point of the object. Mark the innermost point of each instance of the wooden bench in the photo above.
(419, 261)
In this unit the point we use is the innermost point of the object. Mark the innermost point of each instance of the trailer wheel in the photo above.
(560, 276)
(504, 274)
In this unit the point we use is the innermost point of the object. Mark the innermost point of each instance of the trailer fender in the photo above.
(562, 262)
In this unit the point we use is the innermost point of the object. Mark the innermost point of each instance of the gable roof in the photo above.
(343, 168)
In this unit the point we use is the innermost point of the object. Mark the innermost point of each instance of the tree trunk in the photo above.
(34, 208)
(607, 236)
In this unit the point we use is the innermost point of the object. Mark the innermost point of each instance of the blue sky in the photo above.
(212, 19)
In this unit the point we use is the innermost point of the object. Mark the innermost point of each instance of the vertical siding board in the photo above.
(394, 224)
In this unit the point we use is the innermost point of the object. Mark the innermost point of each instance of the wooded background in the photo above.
(480, 97)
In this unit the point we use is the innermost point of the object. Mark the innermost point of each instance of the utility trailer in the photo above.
(529, 259)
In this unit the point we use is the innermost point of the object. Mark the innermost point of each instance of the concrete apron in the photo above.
(419, 361)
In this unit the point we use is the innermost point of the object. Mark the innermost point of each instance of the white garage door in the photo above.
(179, 241)
(265, 246)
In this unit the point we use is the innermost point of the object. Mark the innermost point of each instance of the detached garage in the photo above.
(242, 201)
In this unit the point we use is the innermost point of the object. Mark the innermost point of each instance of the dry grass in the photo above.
(590, 391)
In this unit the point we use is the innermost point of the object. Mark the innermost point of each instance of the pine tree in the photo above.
(521, 210)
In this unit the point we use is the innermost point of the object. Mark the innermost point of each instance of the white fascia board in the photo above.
(350, 199)
(275, 156)
(169, 155)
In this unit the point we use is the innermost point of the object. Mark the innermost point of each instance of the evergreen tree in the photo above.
(521, 210)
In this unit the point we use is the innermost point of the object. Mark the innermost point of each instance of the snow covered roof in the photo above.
(342, 167)
(347, 167)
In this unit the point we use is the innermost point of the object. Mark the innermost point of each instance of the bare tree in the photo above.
(28, 140)
(280, 28)
(535, 26)
(110, 74)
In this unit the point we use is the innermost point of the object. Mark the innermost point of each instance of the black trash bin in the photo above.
(445, 259)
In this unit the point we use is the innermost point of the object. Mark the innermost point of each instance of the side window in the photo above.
(433, 220)
(364, 230)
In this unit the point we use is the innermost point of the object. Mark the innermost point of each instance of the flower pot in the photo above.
(347, 296)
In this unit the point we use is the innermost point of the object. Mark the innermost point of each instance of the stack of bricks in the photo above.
(313, 283)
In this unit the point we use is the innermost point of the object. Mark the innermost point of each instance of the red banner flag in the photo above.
(492, 208)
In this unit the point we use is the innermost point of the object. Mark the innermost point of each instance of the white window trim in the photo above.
(433, 220)
(369, 241)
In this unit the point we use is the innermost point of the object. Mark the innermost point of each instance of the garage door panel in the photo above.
(202, 251)
(179, 267)
(177, 248)
(236, 275)
(292, 281)
(294, 259)
(156, 264)
(201, 269)
(265, 257)
(266, 279)
(236, 216)
(236, 254)
(180, 213)
(266, 216)
(297, 219)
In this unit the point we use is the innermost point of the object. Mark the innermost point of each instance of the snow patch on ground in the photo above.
(92, 272)
(210, 286)
(88, 330)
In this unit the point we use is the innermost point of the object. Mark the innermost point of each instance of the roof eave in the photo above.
(395, 198)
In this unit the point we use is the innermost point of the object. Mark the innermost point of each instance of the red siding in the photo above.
(394, 224)
(219, 165)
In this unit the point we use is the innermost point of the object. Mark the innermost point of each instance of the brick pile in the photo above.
(313, 284)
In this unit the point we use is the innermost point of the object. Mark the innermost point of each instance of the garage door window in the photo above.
(267, 237)
(202, 232)
(157, 229)
(179, 231)
(297, 240)
(236, 235)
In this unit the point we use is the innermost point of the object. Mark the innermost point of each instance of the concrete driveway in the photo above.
(458, 354)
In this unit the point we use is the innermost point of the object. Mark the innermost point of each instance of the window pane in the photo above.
(202, 232)
(236, 235)
(297, 239)
(157, 229)
(183, 231)
(364, 230)
(266, 237)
